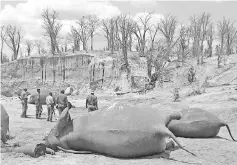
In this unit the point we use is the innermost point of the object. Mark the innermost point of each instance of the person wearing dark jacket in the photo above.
(61, 102)
(91, 102)
(38, 105)
(23, 98)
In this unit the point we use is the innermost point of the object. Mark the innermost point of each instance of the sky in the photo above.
(26, 14)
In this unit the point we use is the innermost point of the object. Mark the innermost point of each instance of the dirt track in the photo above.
(219, 151)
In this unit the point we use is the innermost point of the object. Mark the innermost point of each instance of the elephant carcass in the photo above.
(119, 131)
(197, 123)
(4, 124)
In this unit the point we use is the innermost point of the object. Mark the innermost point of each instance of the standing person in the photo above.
(50, 106)
(62, 102)
(38, 105)
(91, 102)
(69, 90)
(191, 74)
(23, 98)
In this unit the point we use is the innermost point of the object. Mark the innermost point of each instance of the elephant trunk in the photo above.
(173, 116)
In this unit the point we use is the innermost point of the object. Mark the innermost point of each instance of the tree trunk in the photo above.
(202, 54)
(54, 71)
(64, 69)
(103, 73)
(222, 42)
(149, 68)
(142, 48)
(182, 55)
(92, 41)
(42, 74)
(45, 71)
(112, 45)
(124, 49)
(84, 45)
(197, 53)
(93, 73)
(1, 52)
(218, 60)
(130, 42)
(32, 68)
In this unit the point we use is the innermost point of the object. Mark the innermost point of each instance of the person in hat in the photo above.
(38, 105)
(50, 106)
(62, 102)
(91, 102)
(23, 98)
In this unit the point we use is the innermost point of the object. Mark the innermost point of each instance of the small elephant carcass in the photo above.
(197, 123)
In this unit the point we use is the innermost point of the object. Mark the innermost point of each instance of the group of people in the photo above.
(60, 102)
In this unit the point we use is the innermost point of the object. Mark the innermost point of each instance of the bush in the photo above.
(176, 94)
(199, 88)
(6, 93)
(15, 75)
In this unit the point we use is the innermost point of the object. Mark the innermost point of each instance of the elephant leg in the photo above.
(170, 145)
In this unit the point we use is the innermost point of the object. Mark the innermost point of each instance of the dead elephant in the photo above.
(4, 124)
(197, 123)
(119, 131)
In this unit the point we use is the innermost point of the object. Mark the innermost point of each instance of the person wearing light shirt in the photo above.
(50, 106)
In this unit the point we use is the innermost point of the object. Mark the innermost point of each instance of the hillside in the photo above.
(114, 77)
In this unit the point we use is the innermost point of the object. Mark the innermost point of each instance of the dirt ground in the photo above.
(220, 150)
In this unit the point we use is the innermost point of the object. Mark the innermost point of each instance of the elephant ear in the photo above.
(63, 121)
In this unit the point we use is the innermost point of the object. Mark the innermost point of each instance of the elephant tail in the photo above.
(172, 136)
(73, 151)
(228, 128)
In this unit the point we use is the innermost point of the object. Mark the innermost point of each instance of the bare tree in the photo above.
(39, 44)
(221, 32)
(75, 36)
(210, 38)
(141, 29)
(231, 36)
(110, 28)
(218, 53)
(93, 25)
(3, 38)
(125, 27)
(183, 43)
(83, 31)
(52, 28)
(13, 40)
(106, 29)
(196, 36)
(205, 20)
(29, 47)
(153, 30)
(167, 27)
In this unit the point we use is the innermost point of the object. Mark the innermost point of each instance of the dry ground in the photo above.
(220, 150)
